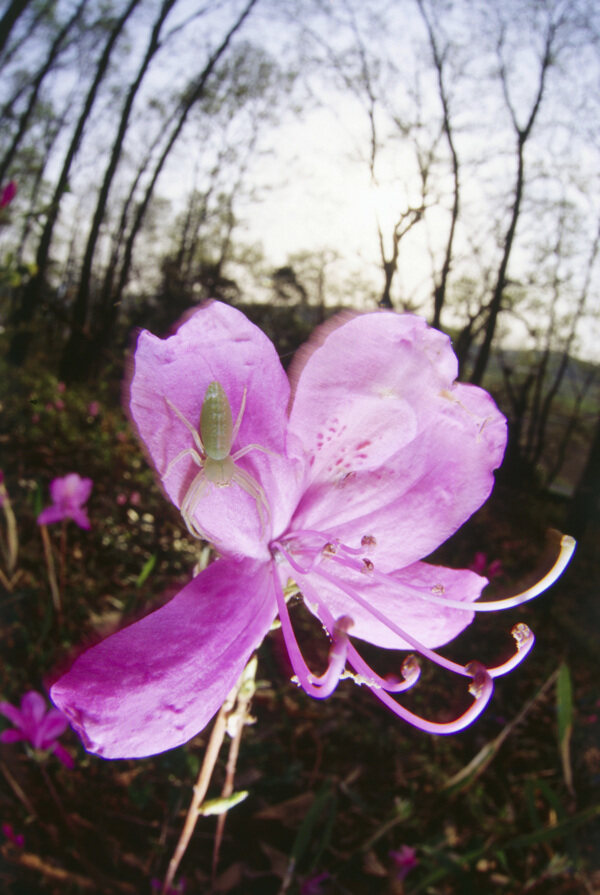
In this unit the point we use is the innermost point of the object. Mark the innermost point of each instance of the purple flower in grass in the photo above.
(16, 838)
(68, 496)
(339, 479)
(405, 860)
(37, 725)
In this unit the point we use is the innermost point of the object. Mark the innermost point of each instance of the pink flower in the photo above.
(61, 387)
(16, 838)
(68, 496)
(314, 884)
(93, 408)
(405, 860)
(35, 725)
(482, 566)
(8, 194)
(345, 477)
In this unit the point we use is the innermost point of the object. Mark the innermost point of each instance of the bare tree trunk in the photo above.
(80, 306)
(192, 97)
(55, 49)
(439, 293)
(523, 134)
(12, 13)
(31, 297)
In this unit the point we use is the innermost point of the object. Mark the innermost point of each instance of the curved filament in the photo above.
(566, 550)
(410, 669)
(317, 686)
(481, 688)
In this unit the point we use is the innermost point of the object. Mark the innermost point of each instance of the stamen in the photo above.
(317, 686)
(525, 639)
(481, 688)
(566, 550)
(408, 638)
(410, 670)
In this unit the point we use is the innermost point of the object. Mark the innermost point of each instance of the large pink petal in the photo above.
(400, 602)
(218, 343)
(442, 470)
(157, 683)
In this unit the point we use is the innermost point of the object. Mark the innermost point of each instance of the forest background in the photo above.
(294, 158)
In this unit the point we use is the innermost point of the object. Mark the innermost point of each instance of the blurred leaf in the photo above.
(564, 711)
(321, 813)
(222, 805)
(146, 570)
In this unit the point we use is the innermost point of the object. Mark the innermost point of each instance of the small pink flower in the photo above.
(61, 387)
(405, 860)
(68, 496)
(16, 838)
(8, 194)
(36, 725)
(93, 408)
(313, 885)
(59, 404)
(135, 498)
(121, 499)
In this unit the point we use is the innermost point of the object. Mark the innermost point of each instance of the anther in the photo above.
(368, 541)
(522, 634)
(479, 675)
(367, 565)
(329, 549)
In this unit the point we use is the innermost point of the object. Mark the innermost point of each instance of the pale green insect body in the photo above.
(212, 454)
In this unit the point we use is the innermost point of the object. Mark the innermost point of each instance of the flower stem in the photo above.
(237, 720)
(49, 556)
(11, 550)
(200, 789)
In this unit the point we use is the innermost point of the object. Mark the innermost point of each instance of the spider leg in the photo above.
(194, 432)
(251, 487)
(190, 502)
(251, 447)
(187, 452)
(238, 422)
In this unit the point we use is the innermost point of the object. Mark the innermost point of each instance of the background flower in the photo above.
(36, 725)
(68, 496)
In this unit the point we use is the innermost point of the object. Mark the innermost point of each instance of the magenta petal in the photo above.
(80, 517)
(33, 710)
(53, 725)
(11, 736)
(218, 343)
(12, 713)
(157, 683)
(50, 515)
(64, 756)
